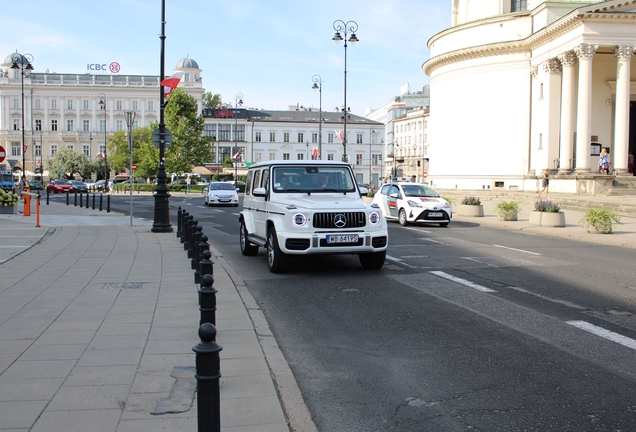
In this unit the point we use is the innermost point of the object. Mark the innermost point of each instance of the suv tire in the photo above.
(372, 261)
(247, 248)
(276, 259)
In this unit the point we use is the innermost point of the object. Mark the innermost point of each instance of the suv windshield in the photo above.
(312, 178)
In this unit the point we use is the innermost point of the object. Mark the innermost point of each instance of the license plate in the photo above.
(437, 214)
(349, 238)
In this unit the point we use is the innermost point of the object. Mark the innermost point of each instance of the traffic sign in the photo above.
(167, 137)
(425, 174)
(134, 166)
(3, 154)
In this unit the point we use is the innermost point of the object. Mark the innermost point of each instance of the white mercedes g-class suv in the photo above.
(309, 207)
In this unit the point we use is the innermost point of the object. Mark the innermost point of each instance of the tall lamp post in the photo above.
(238, 102)
(102, 106)
(318, 86)
(130, 120)
(22, 62)
(161, 221)
(350, 27)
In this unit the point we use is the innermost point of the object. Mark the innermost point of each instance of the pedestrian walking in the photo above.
(603, 162)
(545, 183)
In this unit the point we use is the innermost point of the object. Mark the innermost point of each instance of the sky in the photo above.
(268, 50)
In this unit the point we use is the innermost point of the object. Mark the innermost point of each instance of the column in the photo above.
(566, 153)
(585, 53)
(621, 121)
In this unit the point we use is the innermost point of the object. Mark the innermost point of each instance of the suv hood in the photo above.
(322, 201)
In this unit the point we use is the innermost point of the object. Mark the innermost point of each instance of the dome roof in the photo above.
(187, 63)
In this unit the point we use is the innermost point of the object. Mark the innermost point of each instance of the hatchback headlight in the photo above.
(447, 204)
(299, 219)
(374, 218)
(414, 203)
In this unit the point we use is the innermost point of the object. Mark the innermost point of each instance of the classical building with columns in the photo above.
(519, 87)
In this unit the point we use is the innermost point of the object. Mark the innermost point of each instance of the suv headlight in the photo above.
(299, 219)
(374, 218)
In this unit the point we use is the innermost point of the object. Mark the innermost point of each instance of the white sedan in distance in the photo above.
(221, 193)
(413, 203)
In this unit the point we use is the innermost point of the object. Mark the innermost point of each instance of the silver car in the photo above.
(221, 193)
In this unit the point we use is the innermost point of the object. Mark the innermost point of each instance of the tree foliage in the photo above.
(70, 163)
(211, 100)
(189, 147)
(145, 154)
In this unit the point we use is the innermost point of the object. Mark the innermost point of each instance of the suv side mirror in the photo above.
(259, 192)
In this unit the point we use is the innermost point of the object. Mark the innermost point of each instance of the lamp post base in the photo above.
(161, 222)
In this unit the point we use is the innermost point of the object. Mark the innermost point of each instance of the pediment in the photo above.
(610, 7)
(287, 147)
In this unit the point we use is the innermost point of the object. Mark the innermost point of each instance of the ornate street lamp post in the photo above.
(102, 106)
(130, 120)
(318, 86)
(348, 27)
(22, 62)
(238, 102)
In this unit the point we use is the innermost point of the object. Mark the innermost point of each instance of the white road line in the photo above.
(462, 281)
(418, 230)
(541, 296)
(430, 240)
(518, 250)
(389, 257)
(600, 331)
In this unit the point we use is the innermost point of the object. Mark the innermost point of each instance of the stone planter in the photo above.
(546, 219)
(8, 209)
(470, 210)
(508, 217)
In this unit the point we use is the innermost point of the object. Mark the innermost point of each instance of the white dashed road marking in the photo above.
(600, 331)
(462, 281)
(518, 250)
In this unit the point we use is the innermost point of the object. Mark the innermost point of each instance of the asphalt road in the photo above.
(465, 328)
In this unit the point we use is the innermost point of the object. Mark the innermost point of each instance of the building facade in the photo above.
(411, 146)
(64, 110)
(519, 87)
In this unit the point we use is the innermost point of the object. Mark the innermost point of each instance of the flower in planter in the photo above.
(8, 199)
(547, 206)
(470, 200)
(600, 219)
(507, 210)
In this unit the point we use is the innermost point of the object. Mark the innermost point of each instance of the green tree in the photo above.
(70, 163)
(145, 155)
(189, 147)
(211, 100)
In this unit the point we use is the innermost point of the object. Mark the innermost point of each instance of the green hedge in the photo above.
(141, 187)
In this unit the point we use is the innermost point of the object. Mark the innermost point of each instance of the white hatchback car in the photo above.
(413, 203)
(309, 207)
(221, 193)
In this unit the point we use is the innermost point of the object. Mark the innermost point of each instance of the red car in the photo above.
(59, 185)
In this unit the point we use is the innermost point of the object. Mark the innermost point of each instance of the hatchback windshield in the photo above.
(418, 191)
(61, 182)
(312, 178)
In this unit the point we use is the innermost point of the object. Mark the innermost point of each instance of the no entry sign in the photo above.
(3, 154)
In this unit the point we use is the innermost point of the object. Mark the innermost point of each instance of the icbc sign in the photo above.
(99, 67)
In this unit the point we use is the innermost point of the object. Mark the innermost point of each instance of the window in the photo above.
(119, 125)
(285, 136)
(102, 125)
(224, 132)
(285, 156)
(38, 104)
(102, 148)
(70, 147)
(358, 159)
(314, 137)
(330, 157)
(53, 149)
(87, 150)
(69, 125)
(150, 106)
(258, 157)
(377, 159)
(301, 137)
(239, 132)
(15, 148)
(69, 104)
(119, 105)
(38, 149)
(16, 124)
(53, 125)
(209, 130)
(257, 137)
(86, 104)
(134, 105)
(330, 138)
(16, 103)
(53, 103)
(518, 5)
(300, 156)
(358, 138)
(272, 137)
(86, 125)
(272, 156)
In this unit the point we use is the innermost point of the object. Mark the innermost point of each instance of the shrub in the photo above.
(547, 206)
(600, 219)
(470, 200)
(507, 209)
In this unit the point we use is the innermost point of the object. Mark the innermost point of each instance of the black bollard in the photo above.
(193, 230)
(179, 222)
(101, 201)
(186, 231)
(184, 222)
(81, 199)
(207, 266)
(196, 254)
(88, 196)
(203, 246)
(47, 196)
(207, 300)
(93, 200)
(107, 203)
(208, 366)
(67, 198)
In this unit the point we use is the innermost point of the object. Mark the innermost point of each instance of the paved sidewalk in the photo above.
(97, 323)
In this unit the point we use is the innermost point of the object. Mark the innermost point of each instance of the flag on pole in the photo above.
(237, 156)
(314, 152)
(169, 84)
(339, 135)
(26, 145)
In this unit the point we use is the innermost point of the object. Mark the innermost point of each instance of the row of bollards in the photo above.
(207, 358)
(81, 200)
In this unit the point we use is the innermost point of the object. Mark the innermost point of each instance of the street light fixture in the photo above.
(318, 86)
(238, 102)
(22, 62)
(346, 28)
(102, 106)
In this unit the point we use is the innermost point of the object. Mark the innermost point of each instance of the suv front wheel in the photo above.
(247, 248)
(373, 260)
(276, 259)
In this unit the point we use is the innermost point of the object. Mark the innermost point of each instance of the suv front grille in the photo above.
(345, 220)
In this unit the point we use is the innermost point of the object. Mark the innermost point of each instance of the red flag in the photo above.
(171, 83)
(237, 156)
(339, 136)
(314, 152)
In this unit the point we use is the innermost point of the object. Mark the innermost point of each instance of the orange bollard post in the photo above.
(37, 211)
(27, 205)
